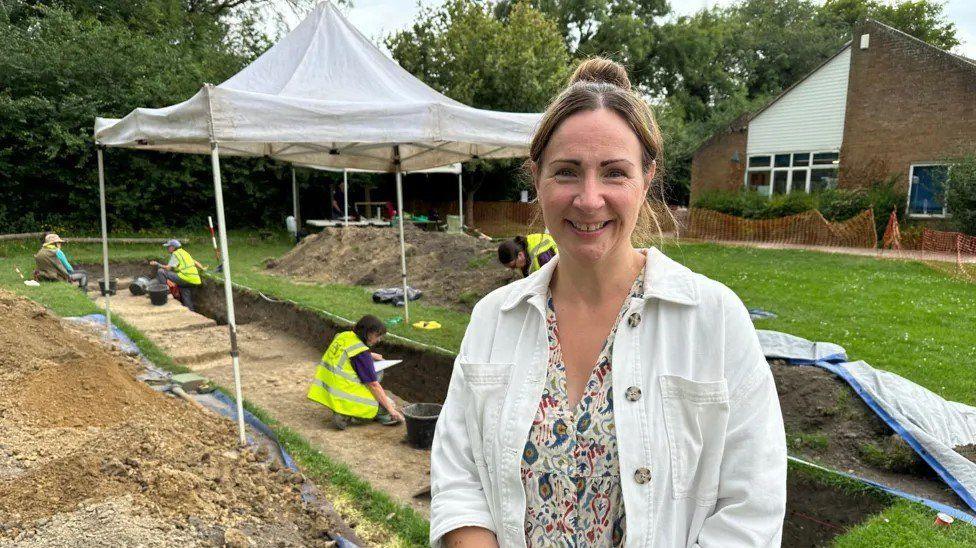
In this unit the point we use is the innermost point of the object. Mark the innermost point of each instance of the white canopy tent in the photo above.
(323, 96)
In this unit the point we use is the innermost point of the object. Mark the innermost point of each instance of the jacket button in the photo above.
(634, 319)
(633, 393)
(642, 475)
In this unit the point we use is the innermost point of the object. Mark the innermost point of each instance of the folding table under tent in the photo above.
(453, 168)
(323, 96)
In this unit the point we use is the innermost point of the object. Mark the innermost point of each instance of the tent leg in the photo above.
(461, 201)
(294, 199)
(403, 245)
(228, 289)
(345, 198)
(101, 199)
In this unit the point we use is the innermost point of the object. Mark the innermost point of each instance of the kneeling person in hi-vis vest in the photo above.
(346, 380)
(181, 269)
(527, 253)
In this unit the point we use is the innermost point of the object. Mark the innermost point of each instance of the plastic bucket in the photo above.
(139, 286)
(158, 294)
(113, 285)
(421, 419)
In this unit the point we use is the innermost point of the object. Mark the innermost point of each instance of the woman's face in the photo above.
(591, 184)
(372, 338)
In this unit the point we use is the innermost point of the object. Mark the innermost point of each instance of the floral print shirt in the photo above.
(570, 468)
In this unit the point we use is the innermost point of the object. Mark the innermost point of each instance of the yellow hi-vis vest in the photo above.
(336, 384)
(186, 269)
(538, 244)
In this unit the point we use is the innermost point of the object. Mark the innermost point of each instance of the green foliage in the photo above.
(63, 67)
(461, 49)
(923, 19)
(752, 205)
(800, 440)
(882, 197)
(960, 195)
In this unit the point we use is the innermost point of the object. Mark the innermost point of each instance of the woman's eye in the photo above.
(616, 173)
(565, 172)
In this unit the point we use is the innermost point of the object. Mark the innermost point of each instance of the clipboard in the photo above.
(384, 364)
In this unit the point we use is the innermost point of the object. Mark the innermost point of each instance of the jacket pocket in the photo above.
(695, 416)
(488, 385)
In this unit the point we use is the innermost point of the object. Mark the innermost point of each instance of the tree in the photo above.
(960, 195)
(923, 19)
(60, 69)
(624, 30)
(462, 50)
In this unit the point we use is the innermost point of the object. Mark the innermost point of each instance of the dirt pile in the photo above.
(452, 270)
(90, 456)
(828, 423)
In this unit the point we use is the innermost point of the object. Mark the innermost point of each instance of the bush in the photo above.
(840, 205)
(752, 205)
(835, 205)
(960, 195)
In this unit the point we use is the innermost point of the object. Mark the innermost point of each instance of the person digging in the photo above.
(181, 270)
(527, 253)
(50, 263)
(346, 380)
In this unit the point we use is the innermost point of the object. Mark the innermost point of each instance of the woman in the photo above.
(527, 253)
(346, 380)
(615, 398)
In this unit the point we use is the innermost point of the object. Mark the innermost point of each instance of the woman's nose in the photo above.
(590, 195)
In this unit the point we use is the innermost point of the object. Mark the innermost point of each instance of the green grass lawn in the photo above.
(899, 316)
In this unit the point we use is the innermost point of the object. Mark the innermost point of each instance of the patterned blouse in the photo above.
(570, 468)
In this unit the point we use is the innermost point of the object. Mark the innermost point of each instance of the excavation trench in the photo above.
(280, 344)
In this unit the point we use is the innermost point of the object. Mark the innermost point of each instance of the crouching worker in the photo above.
(181, 269)
(346, 380)
(527, 253)
(50, 263)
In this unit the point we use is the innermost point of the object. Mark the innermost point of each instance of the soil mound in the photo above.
(828, 423)
(89, 455)
(452, 270)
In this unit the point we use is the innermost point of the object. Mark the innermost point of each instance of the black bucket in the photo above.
(113, 285)
(421, 420)
(139, 286)
(158, 294)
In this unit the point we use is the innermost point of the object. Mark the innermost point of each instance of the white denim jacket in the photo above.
(700, 434)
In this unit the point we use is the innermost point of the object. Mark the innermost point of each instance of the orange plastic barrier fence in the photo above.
(807, 228)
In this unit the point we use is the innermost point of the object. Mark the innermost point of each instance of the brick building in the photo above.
(885, 105)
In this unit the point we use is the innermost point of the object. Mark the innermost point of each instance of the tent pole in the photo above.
(228, 288)
(345, 198)
(403, 245)
(461, 200)
(107, 285)
(294, 199)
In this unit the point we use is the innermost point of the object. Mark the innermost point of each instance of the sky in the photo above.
(378, 18)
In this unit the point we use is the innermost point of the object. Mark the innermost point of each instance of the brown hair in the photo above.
(369, 325)
(599, 83)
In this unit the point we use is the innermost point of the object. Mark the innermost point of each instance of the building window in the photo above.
(771, 174)
(926, 188)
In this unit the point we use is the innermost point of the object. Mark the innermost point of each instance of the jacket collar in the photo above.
(664, 279)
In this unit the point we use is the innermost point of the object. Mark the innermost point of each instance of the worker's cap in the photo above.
(172, 243)
(53, 238)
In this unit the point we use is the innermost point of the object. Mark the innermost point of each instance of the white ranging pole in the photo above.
(228, 289)
(106, 284)
(460, 200)
(294, 199)
(345, 198)
(403, 245)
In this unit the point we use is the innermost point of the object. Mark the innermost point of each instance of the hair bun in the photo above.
(600, 70)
